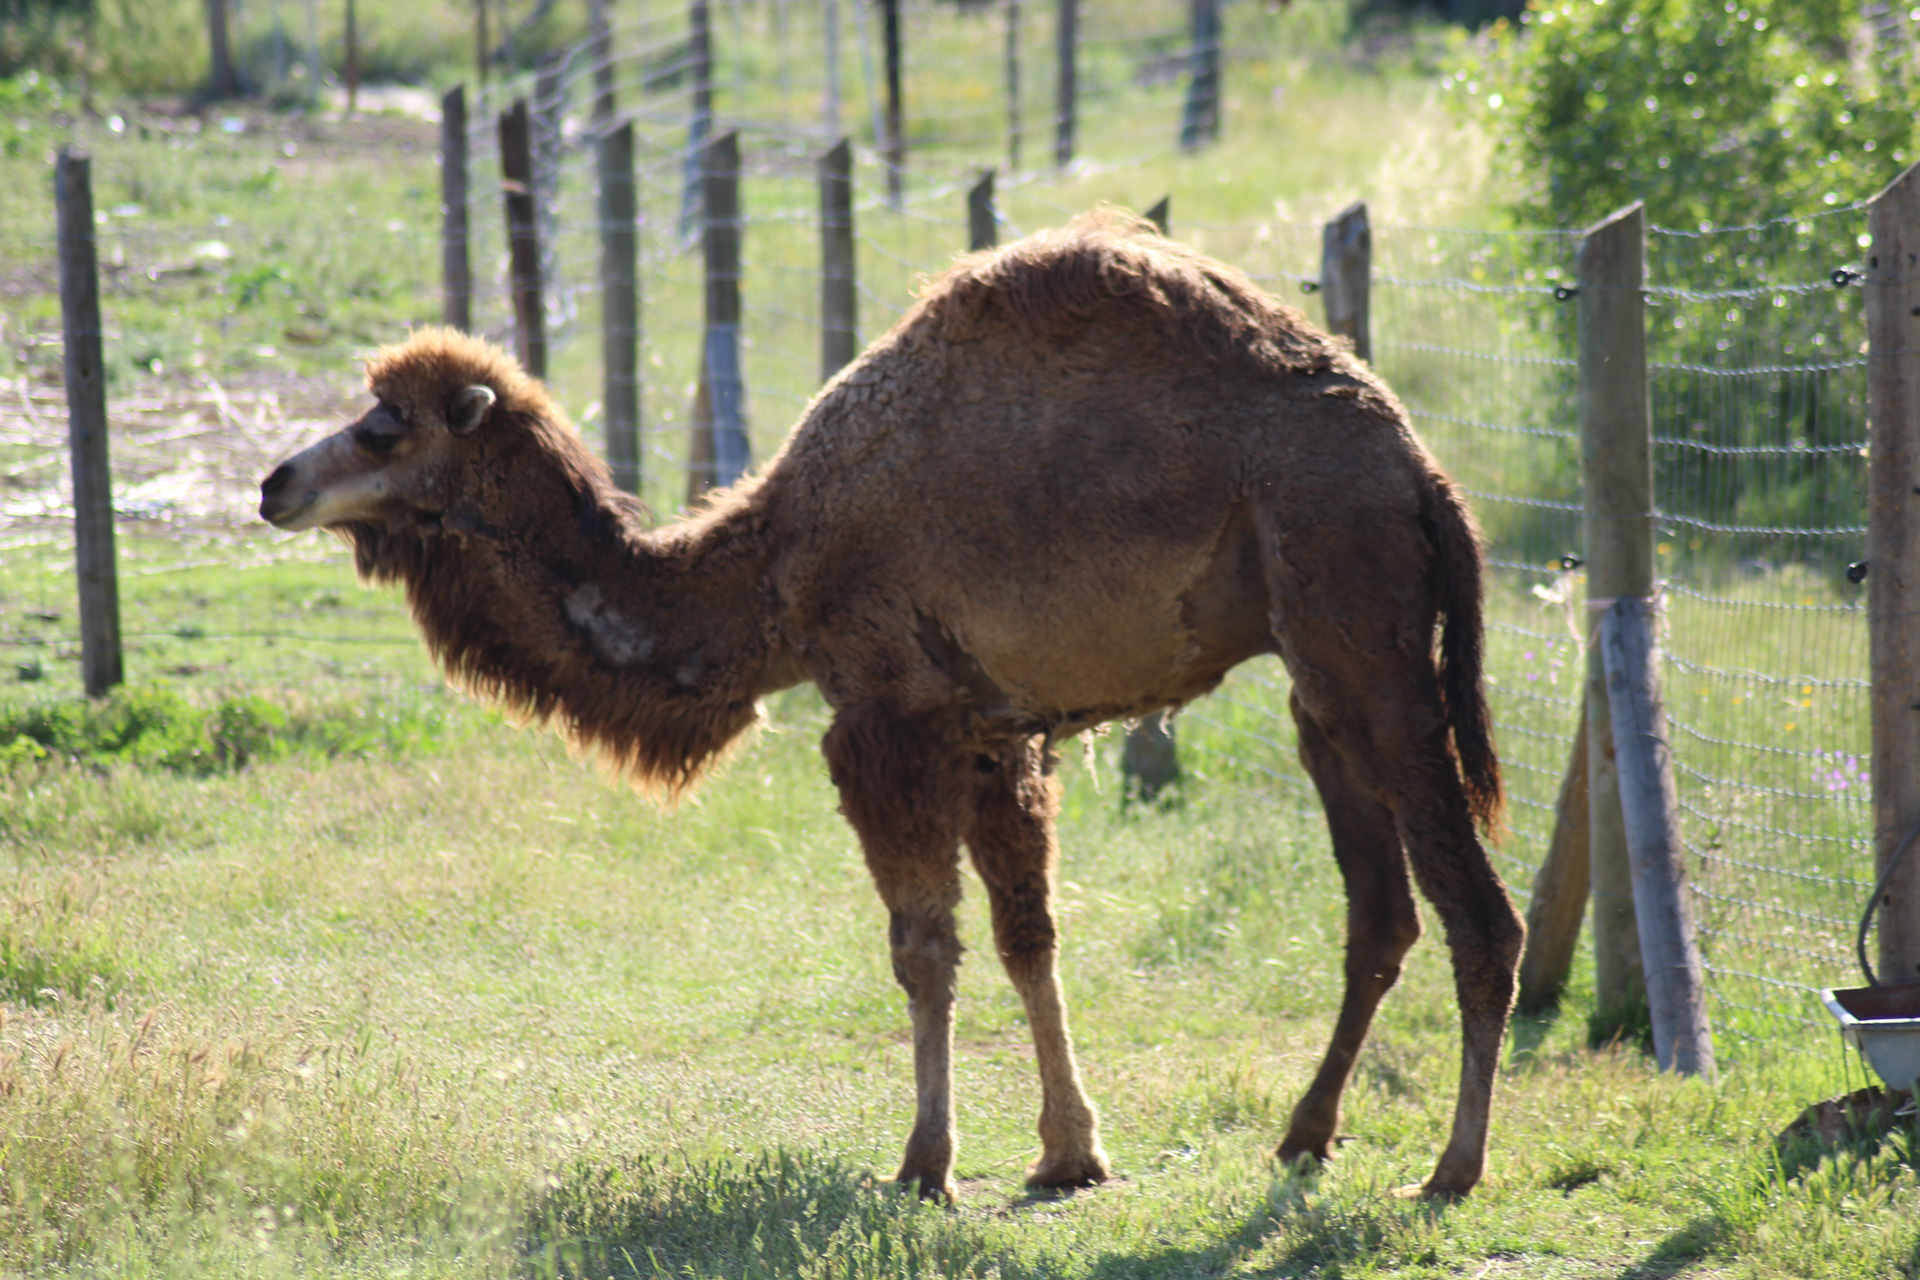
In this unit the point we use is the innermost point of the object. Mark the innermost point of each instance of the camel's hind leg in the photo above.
(1013, 847)
(1353, 613)
(906, 795)
(1382, 924)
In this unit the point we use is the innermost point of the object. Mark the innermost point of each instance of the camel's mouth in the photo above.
(283, 503)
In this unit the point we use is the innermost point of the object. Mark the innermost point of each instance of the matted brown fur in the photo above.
(1080, 480)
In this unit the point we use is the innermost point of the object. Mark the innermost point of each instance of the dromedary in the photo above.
(1082, 478)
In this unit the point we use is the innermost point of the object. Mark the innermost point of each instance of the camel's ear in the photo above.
(470, 410)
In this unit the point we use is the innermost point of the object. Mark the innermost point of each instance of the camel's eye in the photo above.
(377, 439)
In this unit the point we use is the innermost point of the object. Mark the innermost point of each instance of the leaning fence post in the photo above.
(1200, 121)
(1346, 277)
(981, 231)
(1066, 38)
(1893, 560)
(838, 339)
(1161, 215)
(1560, 888)
(456, 275)
(1617, 479)
(620, 306)
(1669, 952)
(523, 241)
(100, 660)
(722, 386)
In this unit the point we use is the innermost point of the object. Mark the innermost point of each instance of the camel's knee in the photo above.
(926, 952)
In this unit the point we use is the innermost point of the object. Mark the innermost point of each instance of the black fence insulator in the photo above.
(1309, 286)
(1561, 292)
(1857, 572)
(1568, 563)
(1844, 276)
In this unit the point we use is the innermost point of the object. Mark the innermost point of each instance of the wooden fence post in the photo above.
(1893, 558)
(100, 661)
(1161, 215)
(1200, 121)
(1014, 131)
(620, 305)
(1346, 277)
(1617, 477)
(1066, 40)
(895, 148)
(1669, 952)
(982, 233)
(523, 241)
(700, 124)
(839, 342)
(722, 386)
(221, 80)
(1559, 890)
(456, 274)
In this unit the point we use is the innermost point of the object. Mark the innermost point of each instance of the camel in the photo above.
(1081, 479)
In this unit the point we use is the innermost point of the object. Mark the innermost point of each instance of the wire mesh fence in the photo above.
(1757, 379)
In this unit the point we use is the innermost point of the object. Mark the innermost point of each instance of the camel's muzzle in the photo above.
(281, 500)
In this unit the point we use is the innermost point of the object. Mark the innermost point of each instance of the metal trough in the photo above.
(1883, 1023)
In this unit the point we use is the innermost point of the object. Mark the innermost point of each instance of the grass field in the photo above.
(310, 967)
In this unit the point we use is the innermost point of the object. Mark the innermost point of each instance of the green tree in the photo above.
(1712, 111)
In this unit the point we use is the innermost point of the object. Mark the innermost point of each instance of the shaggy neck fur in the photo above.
(540, 591)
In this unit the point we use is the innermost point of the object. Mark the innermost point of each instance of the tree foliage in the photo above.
(1712, 111)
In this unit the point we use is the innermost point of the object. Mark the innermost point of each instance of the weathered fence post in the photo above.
(620, 305)
(221, 80)
(725, 447)
(1617, 478)
(838, 301)
(982, 232)
(1200, 121)
(456, 274)
(94, 565)
(700, 124)
(1161, 215)
(1013, 86)
(1066, 41)
(895, 147)
(523, 240)
(1669, 953)
(1893, 558)
(1346, 277)
(1559, 901)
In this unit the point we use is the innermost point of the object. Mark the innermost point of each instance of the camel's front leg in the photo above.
(926, 952)
(1013, 848)
(905, 793)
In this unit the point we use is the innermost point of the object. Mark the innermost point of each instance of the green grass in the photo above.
(398, 989)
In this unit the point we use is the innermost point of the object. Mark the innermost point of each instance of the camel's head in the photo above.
(409, 458)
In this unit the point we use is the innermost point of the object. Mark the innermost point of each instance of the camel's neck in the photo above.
(651, 647)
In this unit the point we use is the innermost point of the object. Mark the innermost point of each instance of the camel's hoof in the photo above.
(1083, 1169)
(1430, 1192)
(1303, 1158)
(928, 1188)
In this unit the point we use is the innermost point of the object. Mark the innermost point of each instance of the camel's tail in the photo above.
(1456, 543)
